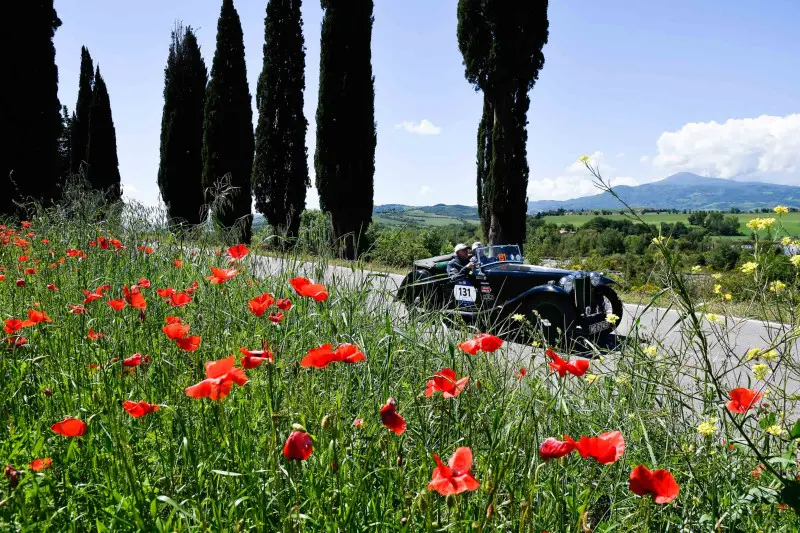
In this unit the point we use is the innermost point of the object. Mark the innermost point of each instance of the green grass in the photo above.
(791, 221)
(416, 217)
(203, 465)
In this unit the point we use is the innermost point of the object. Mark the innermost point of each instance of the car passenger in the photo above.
(461, 263)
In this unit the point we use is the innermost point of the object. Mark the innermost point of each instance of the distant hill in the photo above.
(684, 191)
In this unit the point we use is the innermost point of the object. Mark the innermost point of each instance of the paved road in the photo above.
(727, 344)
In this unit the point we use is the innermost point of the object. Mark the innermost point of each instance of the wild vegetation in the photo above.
(115, 324)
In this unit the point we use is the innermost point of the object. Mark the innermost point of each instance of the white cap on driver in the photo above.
(460, 246)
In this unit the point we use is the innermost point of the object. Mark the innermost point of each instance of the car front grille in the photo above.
(583, 296)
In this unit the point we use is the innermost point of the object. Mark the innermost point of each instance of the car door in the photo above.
(464, 293)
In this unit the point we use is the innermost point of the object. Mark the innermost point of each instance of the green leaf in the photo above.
(795, 431)
(226, 473)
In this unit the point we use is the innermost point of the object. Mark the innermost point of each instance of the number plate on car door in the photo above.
(465, 293)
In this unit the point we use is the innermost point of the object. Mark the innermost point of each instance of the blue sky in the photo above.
(646, 88)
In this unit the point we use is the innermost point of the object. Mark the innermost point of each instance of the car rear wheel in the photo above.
(554, 316)
(411, 293)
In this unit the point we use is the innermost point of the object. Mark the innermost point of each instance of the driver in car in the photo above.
(461, 263)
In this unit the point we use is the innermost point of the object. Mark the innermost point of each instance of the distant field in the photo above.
(791, 222)
(414, 217)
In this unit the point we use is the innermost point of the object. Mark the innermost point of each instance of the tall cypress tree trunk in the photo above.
(102, 162)
(79, 129)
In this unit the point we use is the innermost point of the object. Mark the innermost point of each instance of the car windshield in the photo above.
(507, 253)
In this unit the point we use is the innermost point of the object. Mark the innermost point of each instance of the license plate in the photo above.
(465, 293)
(599, 326)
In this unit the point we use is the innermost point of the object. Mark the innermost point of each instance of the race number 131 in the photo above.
(464, 293)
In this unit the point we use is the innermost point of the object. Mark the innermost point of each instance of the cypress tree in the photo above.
(181, 169)
(501, 43)
(228, 128)
(80, 122)
(64, 150)
(102, 163)
(346, 135)
(29, 108)
(280, 168)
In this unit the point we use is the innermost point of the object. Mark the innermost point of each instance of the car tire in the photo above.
(411, 295)
(550, 313)
(611, 303)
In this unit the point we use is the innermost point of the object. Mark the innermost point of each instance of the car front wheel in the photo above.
(554, 316)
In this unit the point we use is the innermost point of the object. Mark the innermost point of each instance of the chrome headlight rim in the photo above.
(567, 282)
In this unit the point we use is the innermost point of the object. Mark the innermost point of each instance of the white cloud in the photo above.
(131, 192)
(424, 127)
(644, 159)
(735, 147)
(425, 190)
(576, 181)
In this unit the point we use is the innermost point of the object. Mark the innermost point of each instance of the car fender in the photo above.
(539, 289)
(603, 280)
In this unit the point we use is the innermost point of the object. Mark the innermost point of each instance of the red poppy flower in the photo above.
(52, 287)
(553, 448)
(12, 325)
(17, 341)
(483, 342)
(143, 283)
(304, 287)
(221, 275)
(25, 224)
(94, 335)
(445, 382)
(177, 263)
(189, 344)
(70, 427)
(2, 277)
(391, 419)
(117, 305)
(220, 377)
(176, 330)
(298, 446)
(521, 373)
(174, 320)
(145, 249)
(165, 293)
(20, 282)
(34, 316)
(742, 400)
(238, 251)
(91, 296)
(358, 422)
(456, 477)
(77, 309)
(73, 253)
(139, 409)
(258, 305)
(191, 288)
(134, 360)
(22, 258)
(659, 483)
(179, 299)
(29, 271)
(37, 465)
(276, 317)
(284, 304)
(253, 358)
(578, 367)
(325, 355)
(606, 449)
(134, 297)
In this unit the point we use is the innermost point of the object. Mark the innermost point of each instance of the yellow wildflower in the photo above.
(697, 269)
(771, 355)
(795, 260)
(749, 267)
(584, 158)
(786, 241)
(658, 240)
(518, 317)
(536, 344)
(781, 209)
(776, 430)
(728, 296)
(612, 318)
(708, 427)
(753, 353)
(777, 286)
(760, 371)
(621, 380)
(591, 378)
(717, 288)
(714, 318)
(754, 224)
(651, 350)
(577, 267)
(716, 276)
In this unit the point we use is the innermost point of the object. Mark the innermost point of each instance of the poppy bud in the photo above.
(399, 460)
(13, 476)
(490, 510)
(478, 384)
(20, 282)
(48, 392)
(141, 315)
(403, 521)
(326, 421)
(334, 467)
(299, 427)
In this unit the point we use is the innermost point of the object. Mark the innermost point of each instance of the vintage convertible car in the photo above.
(563, 303)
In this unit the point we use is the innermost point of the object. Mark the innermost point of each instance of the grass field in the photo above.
(420, 218)
(791, 221)
(126, 408)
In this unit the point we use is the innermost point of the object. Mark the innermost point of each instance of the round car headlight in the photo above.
(567, 282)
(596, 278)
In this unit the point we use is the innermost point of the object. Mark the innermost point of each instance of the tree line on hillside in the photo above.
(212, 162)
